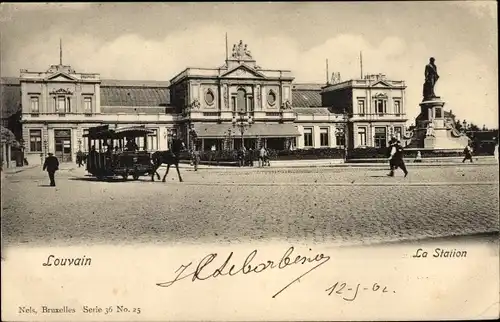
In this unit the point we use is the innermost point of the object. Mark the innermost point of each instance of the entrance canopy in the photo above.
(103, 132)
(256, 130)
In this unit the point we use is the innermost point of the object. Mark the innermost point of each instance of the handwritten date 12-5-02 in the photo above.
(350, 293)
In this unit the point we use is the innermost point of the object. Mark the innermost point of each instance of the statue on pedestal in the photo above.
(287, 105)
(195, 104)
(431, 77)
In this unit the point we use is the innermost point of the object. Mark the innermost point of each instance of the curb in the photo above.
(20, 169)
(341, 165)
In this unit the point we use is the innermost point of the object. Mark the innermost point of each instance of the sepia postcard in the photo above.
(249, 161)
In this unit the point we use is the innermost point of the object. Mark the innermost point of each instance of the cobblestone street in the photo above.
(340, 205)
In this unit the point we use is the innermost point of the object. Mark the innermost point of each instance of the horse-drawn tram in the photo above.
(114, 152)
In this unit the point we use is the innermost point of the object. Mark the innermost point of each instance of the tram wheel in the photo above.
(125, 176)
(136, 176)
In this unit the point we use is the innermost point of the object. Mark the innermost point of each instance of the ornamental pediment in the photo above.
(381, 84)
(380, 95)
(243, 71)
(61, 77)
(61, 91)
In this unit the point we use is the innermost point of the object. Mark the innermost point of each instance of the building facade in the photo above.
(375, 108)
(234, 104)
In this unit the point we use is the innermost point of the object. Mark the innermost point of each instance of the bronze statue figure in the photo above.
(431, 77)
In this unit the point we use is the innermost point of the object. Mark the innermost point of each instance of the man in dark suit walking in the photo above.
(396, 157)
(51, 164)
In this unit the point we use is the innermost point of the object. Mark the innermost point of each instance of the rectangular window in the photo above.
(233, 103)
(339, 137)
(397, 107)
(361, 107)
(380, 137)
(85, 141)
(308, 137)
(381, 106)
(87, 105)
(140, 142)
(398, 132)
(250, 103)
(153, 140)
(35, 140)
(439, 113)
(68, 104)
(61, 104)
(35, 107)
(324, 136)
(361, 136)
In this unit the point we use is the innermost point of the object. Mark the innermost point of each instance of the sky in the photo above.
(156, 41)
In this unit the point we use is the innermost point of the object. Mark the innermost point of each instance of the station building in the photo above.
(227, 106)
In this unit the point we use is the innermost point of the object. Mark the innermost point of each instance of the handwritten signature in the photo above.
(342, 288)
(203, 272)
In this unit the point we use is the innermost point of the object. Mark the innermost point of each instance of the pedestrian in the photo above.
(396, 159)
(467, 153)
(419, 157)
(495, 153)
(267, 158)
(51, 164)
(195, 158)
(241, 156)
(262, 156)
(79, 158)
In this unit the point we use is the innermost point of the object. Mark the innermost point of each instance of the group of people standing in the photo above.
(247, 157)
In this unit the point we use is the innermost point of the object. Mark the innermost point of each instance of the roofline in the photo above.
(133, 83)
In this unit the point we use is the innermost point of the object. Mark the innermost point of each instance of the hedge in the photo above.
(330, 153)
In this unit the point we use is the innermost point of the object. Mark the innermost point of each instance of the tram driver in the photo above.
(131, 145)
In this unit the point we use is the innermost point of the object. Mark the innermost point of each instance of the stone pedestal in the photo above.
(433, 131)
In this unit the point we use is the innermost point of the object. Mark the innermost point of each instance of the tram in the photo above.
(114, 152)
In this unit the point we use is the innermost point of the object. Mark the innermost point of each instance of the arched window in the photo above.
(241, 100)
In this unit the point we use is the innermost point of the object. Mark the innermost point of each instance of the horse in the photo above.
(170, 157)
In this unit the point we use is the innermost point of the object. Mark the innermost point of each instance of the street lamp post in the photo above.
(229, 138)
(242, 123)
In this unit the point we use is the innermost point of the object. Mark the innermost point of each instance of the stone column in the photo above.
(4, 154)
(8, 154)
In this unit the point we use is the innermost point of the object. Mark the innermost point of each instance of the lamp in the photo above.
(243, 123)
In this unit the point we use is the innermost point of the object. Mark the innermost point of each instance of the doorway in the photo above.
(62, 144)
